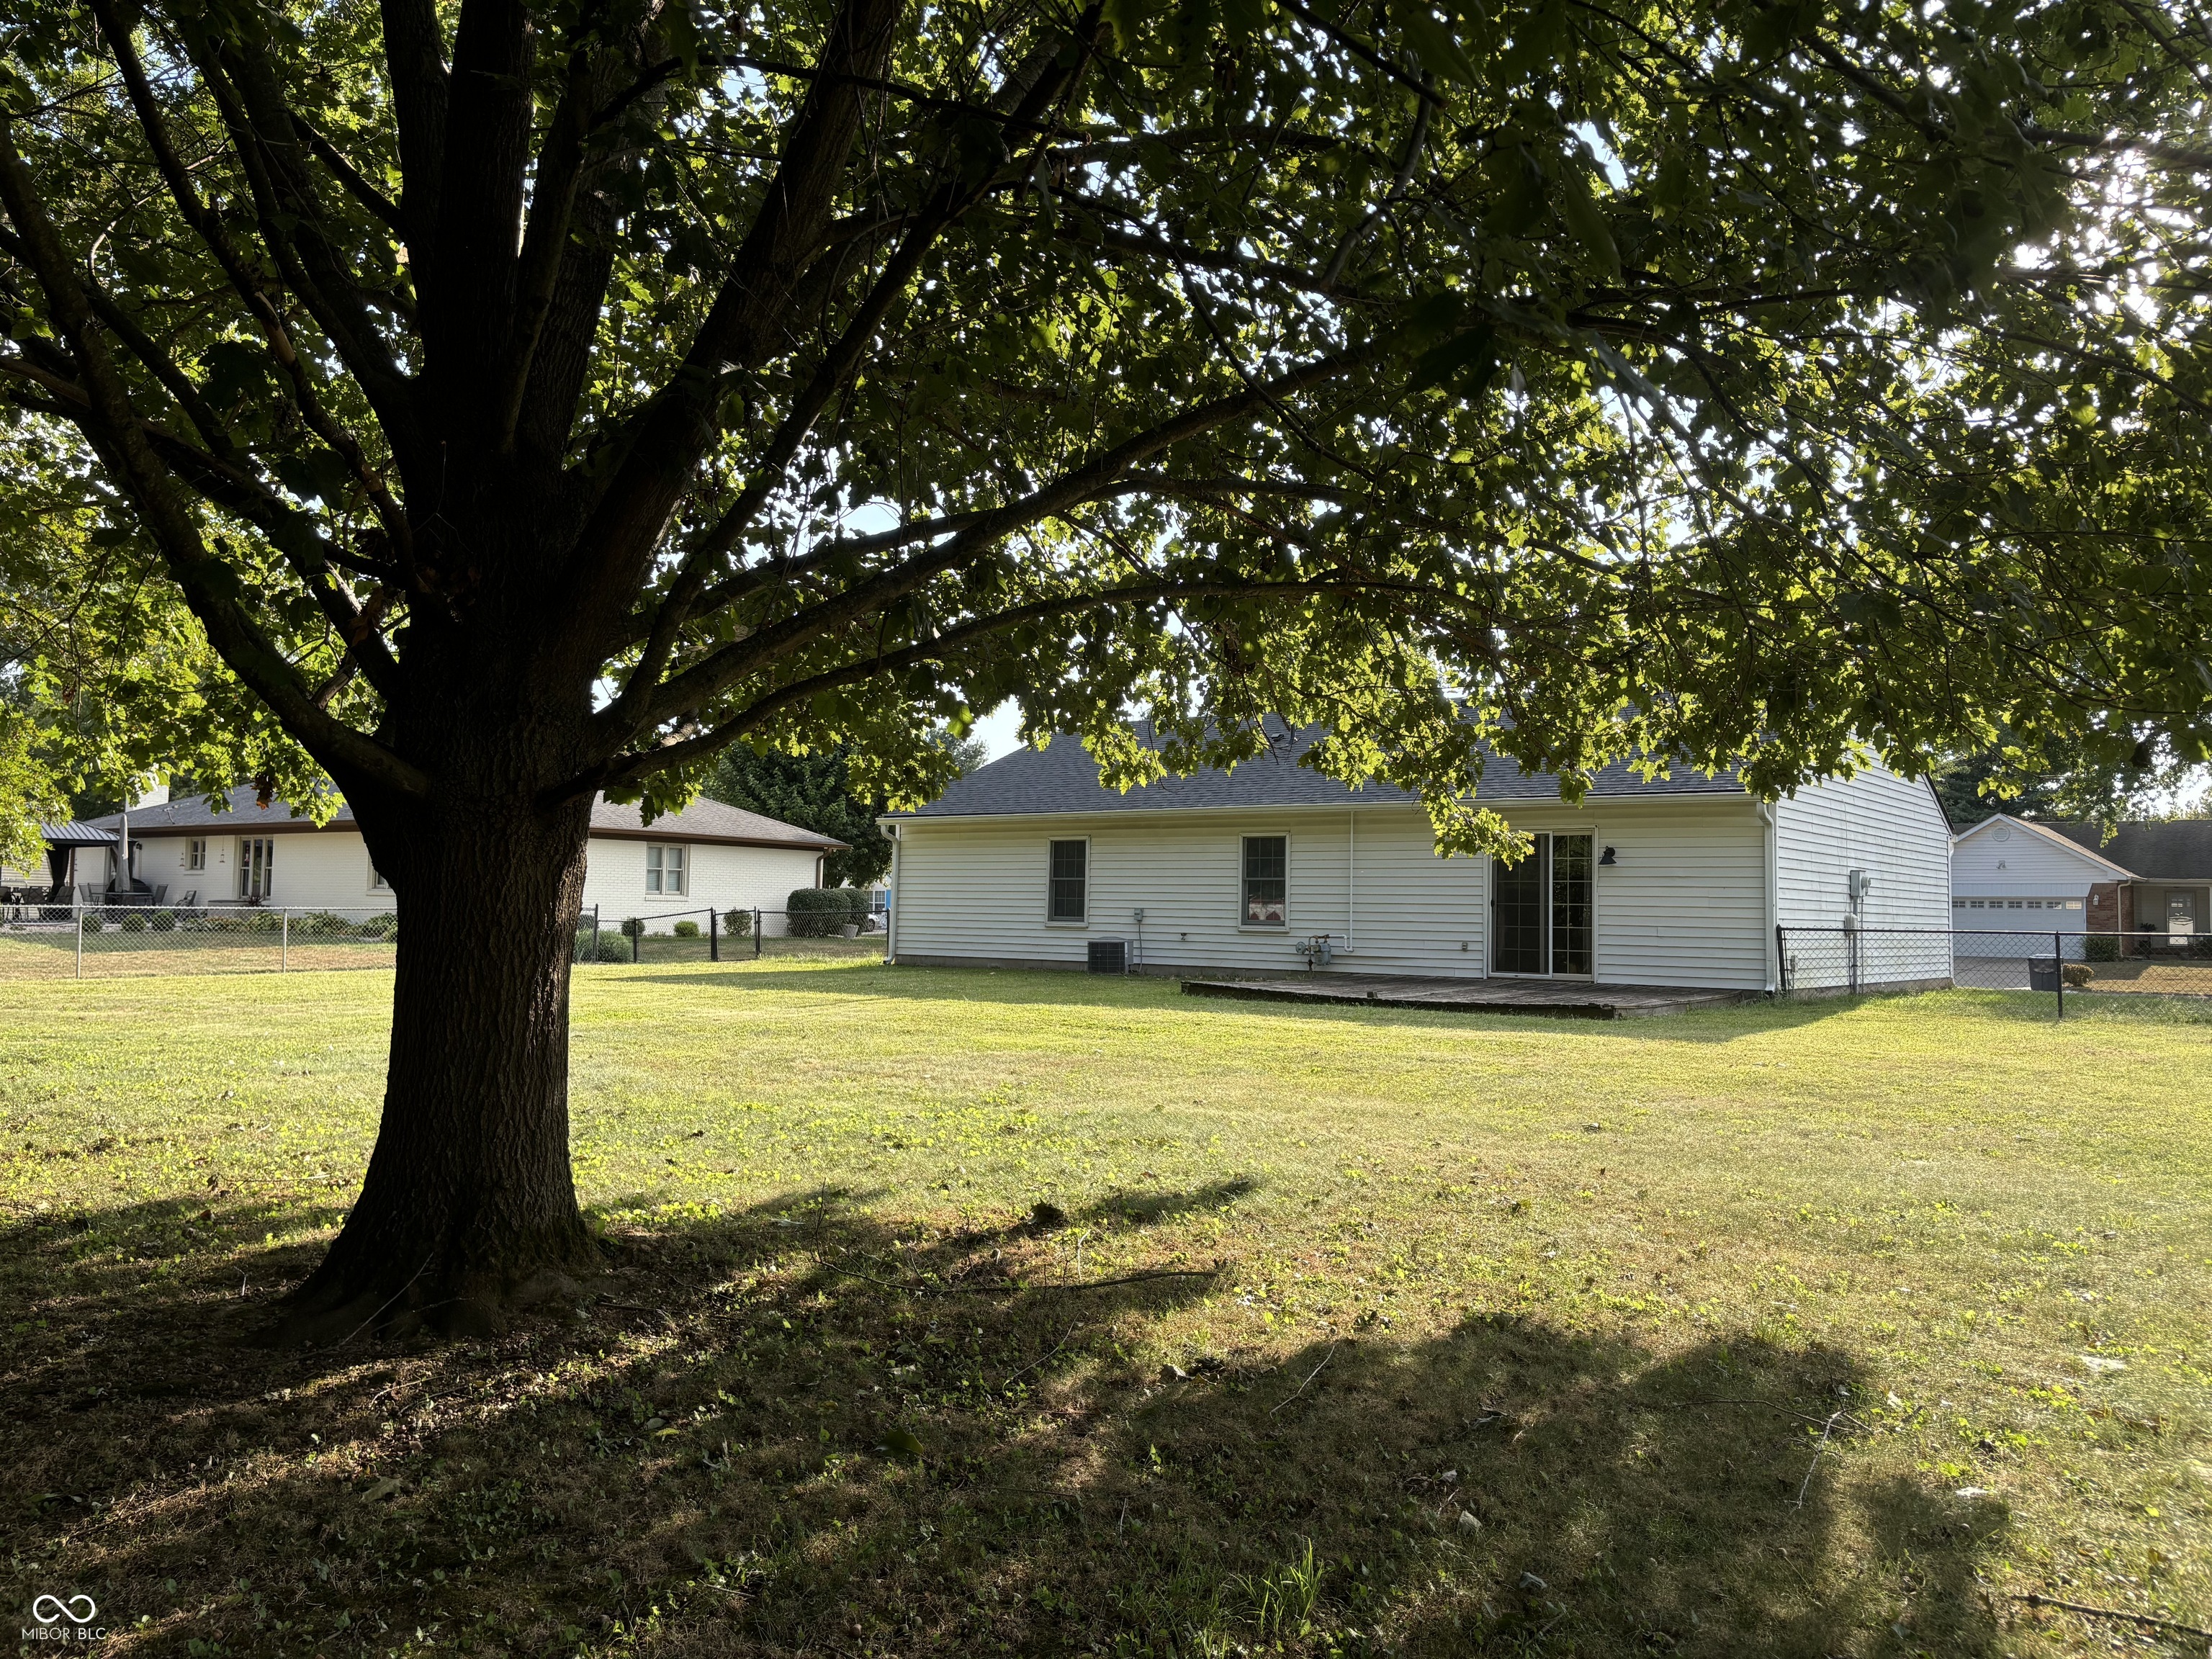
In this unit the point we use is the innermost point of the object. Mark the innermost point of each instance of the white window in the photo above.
(1067, 885)
(2012, 904)
(1977, 903)
(1266, 880)
(257, 856)
(195, 855)
(2072, 904)
(377, 883)
(664, 869)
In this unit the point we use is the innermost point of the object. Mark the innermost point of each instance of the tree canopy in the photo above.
(531, 399)
(1717, 381)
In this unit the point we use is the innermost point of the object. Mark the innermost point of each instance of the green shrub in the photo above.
(385, 926)
(2201, 945)
(737, 923)
(2100, 947)
(93, 921)
(686, 930)
(323, 924)
(611, 949)
(133, 921)
(164, 921)
(633, 927)
(824, 912)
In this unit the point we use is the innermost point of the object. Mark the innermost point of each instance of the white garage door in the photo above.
(1982, 923)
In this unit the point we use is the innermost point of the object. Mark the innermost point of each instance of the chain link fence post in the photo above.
(757, 916)
(2058, 972)
(285, 942)
(79, 908)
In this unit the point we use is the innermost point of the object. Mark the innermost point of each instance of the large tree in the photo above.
(532, 400)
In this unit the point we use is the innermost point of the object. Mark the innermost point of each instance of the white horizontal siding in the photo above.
(330, 869)
(1890, 826)
(1685, 904)
(2026, 863)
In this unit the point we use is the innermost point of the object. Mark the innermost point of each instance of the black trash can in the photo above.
(2042, 973)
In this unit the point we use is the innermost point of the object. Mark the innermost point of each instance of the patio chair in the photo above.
(160, 893)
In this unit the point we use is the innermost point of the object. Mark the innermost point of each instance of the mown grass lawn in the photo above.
(1836, 1329)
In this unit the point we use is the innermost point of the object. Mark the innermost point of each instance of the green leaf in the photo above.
(1578, 207)
(1470, 357)
(1433, 43)
(903, 1442)
(1127, 18)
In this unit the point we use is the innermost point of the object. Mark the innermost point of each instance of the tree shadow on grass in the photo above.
(862, 1438)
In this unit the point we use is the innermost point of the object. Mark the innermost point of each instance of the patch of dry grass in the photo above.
(1808, 1330)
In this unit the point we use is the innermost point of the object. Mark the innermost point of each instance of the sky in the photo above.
(1000, 731)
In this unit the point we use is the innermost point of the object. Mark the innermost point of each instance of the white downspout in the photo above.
(891, 922)
(1350, 874)
(1771, 857)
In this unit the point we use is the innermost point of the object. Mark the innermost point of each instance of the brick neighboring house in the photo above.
(2164, 902)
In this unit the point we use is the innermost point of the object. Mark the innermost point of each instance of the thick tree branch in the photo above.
(545, 241)
(664, 444)
(414, 62)
(210, 586)
(1075, 487)
(381, 207)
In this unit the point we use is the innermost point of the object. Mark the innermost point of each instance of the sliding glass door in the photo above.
(1541, 909)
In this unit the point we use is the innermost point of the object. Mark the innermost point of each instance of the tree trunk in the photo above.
(468, 1210)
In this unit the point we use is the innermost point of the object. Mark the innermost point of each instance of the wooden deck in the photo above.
(1560, 999)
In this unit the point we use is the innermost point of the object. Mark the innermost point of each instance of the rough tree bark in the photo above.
(468, 1209)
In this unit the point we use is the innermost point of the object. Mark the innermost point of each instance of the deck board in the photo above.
(1559, 1000)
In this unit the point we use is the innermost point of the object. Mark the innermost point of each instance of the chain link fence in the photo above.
(95, 941)
(1857, 961)
(98, 941)
(732, 935)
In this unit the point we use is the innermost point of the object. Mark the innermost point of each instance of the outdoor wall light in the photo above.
(1607, 857)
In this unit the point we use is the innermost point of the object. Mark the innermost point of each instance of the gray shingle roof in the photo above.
(1062, 777)
(2180, 851)
(704, 821)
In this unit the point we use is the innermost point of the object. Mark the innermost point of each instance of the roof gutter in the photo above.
(1301, 806)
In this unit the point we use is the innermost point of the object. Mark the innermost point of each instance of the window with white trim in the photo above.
(1267, 881)
(196, 855)
(377, 883)
(1068, 883)
(664, 869)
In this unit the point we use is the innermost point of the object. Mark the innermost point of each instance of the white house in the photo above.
(2019, 876)
(708, 856)
(1679, 882)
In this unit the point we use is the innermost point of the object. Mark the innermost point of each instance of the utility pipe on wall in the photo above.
(1351, 873)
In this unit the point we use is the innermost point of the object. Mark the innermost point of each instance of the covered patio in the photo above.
(63, 843)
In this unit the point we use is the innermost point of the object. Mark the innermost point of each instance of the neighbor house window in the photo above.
(1068, 897)
(256, 857)
(664, 869)
(195, 855)
(1266, 880)
(377, 883)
